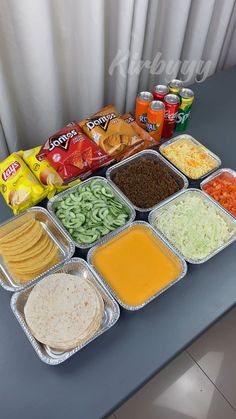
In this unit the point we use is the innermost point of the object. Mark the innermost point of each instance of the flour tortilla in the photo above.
(62, 311)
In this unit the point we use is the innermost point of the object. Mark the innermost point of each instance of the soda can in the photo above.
(160, 91)
(142, 101)
(186, 101)
(171, 110)
(175, 86)
(155, 119)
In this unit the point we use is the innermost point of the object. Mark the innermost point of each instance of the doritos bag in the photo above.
(112, 133)
(72, 154)
(140, 132)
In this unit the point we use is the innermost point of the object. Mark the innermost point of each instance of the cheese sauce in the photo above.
(136, 264)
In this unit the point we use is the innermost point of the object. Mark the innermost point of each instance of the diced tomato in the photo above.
(223, 189)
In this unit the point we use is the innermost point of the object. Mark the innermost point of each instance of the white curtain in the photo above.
(62, 60)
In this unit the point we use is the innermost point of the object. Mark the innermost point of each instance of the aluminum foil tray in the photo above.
(166, 243)
(56, 233)
(117, 193)
(215, 175)
(150, 154)
(79, 267)
(194, 141)
(207, 198)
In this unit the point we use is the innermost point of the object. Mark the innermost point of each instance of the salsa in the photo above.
(223, 189)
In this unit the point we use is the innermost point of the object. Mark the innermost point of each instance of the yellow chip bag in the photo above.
(44, 172)
(19, 186)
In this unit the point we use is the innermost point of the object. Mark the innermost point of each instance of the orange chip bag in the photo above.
(112, 133)
(140, 132)
(19, 186)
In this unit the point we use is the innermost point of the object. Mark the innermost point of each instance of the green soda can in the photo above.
(186, 101)
(175, 86)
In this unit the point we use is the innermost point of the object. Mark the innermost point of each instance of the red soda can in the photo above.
(171, 110)
(160, 91)
(142, 101)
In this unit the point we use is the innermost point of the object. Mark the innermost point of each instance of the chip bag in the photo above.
(112, 133)
(43, 171)
(140, 132)
(19, 186)
(72, 154)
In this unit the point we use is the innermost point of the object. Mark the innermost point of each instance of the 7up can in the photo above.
(175, 86)
(186, 100)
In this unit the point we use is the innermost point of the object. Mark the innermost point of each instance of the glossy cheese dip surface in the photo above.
(136, 264)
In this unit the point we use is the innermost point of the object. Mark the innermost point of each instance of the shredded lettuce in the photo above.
(194, 226)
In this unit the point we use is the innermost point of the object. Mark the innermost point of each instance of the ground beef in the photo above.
(146, 181)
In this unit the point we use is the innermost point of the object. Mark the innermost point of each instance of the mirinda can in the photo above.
(142, 101)
(155, 119)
